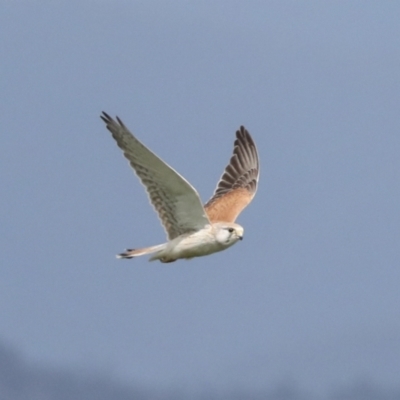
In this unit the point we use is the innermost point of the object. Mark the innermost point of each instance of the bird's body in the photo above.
(193, 230)
(210, 239)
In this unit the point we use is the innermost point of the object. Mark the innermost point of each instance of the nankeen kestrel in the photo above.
(193, 230)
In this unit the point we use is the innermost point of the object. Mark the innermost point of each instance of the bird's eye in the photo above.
(230, 230)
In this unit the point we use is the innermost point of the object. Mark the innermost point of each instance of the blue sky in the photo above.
(310, 294)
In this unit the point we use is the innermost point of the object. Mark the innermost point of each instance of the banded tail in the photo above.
(131, 253)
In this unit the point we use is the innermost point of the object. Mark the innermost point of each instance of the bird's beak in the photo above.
(240, 237)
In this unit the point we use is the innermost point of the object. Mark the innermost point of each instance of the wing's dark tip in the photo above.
(243, 134)
(121, 123)
(111, 124)
(105, 117)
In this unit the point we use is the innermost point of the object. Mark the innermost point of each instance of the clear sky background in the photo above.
(311, 294)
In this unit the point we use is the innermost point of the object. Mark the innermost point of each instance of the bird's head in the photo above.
(228, 233)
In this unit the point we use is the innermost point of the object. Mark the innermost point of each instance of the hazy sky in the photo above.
(311, 294)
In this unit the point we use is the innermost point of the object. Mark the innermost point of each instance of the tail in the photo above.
(131, 253)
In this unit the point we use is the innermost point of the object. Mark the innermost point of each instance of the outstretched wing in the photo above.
(176, 201)
(238, 184)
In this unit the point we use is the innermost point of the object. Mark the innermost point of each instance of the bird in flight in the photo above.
(193, 230)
